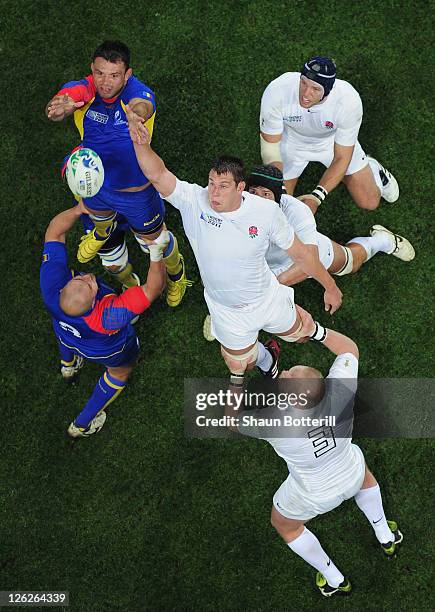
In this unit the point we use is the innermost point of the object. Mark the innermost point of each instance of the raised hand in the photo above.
(61, 106)
(138, 132)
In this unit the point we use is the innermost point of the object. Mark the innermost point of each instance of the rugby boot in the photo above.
(175, 289)
(90, 245)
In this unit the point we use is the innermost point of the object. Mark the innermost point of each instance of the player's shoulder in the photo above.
(344, 366)
(255, 201)
(290, 202)
(282, 84)
(188, 193)
(259, 207)
(346, 94)
(136, 88)
(295, 210)
(54, 252)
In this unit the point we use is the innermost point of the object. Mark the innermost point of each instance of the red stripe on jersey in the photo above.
(95, 319)
(135, 300)
(83, 91)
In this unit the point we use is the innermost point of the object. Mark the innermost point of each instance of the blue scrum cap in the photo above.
(322, 70)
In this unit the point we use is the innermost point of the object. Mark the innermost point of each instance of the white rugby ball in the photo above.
(85, 173)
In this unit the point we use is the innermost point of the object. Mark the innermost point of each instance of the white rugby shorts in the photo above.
(295, 160)
(326, 255)
(237, 328)
(291, 501)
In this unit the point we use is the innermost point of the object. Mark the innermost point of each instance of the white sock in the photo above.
(308, 547)
(369, 501)
(264, 359)
(375, 167)
(380, 242)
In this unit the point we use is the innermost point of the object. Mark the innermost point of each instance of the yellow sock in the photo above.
(173, 261)
(125, 276)
(103, 227)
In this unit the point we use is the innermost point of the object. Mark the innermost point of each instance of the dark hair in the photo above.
(227, 164)
(113, 51)
(267, 176)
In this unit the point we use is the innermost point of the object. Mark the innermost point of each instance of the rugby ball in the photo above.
(85, 173)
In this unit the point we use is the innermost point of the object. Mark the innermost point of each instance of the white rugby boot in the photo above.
(94, 427)
(390, 187)
(206, 329)
(400, 246)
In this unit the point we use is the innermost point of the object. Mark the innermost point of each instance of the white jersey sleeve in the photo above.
(184, 195)
(350, 120)
(345, 368)
(300, 218)
(282, 234)
(271, 117)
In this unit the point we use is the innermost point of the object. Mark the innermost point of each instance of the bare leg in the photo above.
(290, 185)
(359, 257)
(288, 529)
(363, 189)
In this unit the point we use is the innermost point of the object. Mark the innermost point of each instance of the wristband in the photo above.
(320, 193)
(319, 334)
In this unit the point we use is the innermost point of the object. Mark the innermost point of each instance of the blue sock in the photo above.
(106, 390)
(67, 357)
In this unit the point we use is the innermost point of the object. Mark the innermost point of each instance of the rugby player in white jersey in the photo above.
(312, 116)
(229, 231)
(267, 182)
(325, 467)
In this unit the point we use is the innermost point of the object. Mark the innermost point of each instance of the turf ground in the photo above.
(141, 518)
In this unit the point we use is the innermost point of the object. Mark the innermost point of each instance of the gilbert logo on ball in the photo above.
(85, 173)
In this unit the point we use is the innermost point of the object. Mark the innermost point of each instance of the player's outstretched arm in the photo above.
(338, 343)
(308, 260)
(62, 223)
(156, 279)
(150, 163)
(60, 107)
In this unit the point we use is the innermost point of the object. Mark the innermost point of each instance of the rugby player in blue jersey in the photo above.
(91, 322)
(98, 105)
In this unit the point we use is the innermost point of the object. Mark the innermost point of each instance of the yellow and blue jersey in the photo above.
(102, 125)
(105, 330)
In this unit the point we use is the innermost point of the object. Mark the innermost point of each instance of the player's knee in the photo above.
(116, 259)
(238, 364)
(369, 202)
(348, 266)
(113, 269)
(296, 333)
(121, 372)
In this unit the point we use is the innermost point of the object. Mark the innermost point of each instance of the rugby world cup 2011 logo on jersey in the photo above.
(214, 221)
(98, 117)
(292, 119)
(253, 231)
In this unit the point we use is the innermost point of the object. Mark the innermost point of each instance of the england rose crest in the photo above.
(253, 231)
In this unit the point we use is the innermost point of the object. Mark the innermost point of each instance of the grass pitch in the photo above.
(141, 518)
